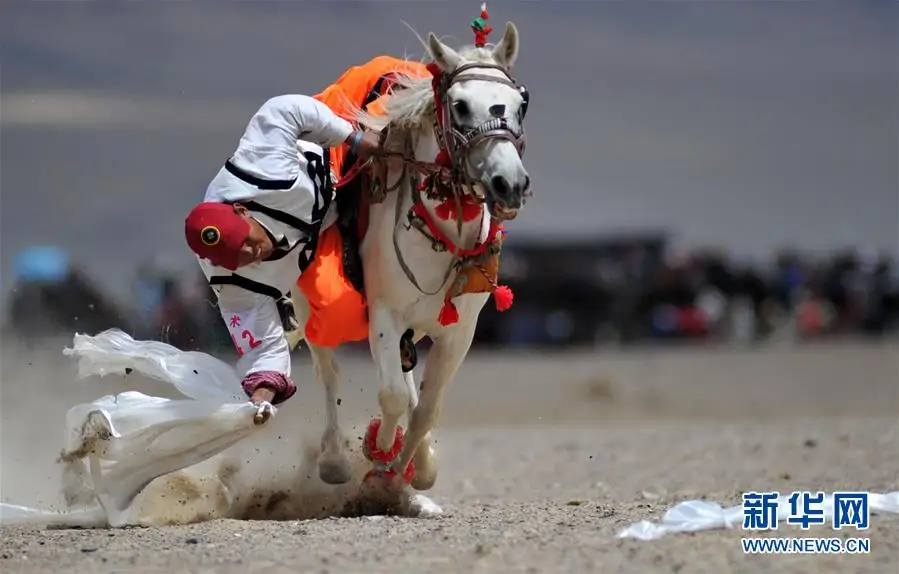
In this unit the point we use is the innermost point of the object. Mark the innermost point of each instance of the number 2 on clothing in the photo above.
(246, 336)
(250, 340)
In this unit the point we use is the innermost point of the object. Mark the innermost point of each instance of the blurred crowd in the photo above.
(706, 295)
(627, 293)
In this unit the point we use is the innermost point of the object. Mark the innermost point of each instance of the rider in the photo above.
(263, 215)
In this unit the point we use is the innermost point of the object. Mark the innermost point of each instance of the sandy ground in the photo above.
(544, 458)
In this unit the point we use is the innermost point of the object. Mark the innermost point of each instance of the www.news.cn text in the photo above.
(806, 545)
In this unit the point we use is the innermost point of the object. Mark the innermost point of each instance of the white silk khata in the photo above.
(116, 445)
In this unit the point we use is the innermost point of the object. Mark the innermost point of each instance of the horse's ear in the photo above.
(445, 57)
(506, 51)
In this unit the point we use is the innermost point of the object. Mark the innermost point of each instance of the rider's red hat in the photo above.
(214, 231)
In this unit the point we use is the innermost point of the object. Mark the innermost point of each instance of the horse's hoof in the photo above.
(389, 475)
(425, 460)
(370, 444)
(377, 475)
(424, 481)
(420, 506)
(334, 470)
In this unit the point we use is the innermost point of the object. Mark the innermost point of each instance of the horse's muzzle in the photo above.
(502, 213)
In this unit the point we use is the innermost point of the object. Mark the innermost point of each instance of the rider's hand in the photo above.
(264, 411)
(262, 398)
(368, 144)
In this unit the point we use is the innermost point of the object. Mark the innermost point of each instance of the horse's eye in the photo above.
(461, 108)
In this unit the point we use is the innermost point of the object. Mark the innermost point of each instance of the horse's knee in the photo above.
(333, 464)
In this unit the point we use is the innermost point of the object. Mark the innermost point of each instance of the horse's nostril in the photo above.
(527, 183)
(500, 186)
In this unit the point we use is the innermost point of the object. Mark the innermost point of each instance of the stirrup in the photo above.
(408, 352)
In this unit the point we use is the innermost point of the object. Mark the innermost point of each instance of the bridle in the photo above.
(451, 175)
(456, 142)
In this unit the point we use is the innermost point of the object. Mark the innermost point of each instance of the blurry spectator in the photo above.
(616, 291)
(53, 297)
(172, 319)
(789, 278)
(813, 315)
(148, 294)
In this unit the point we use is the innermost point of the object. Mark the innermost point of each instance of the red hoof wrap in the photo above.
(370, 446)
(373, 453)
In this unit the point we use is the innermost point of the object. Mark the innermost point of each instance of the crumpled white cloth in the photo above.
(696, 515)
(116, 445)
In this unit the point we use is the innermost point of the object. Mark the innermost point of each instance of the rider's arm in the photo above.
(258, 335)
(286, 119)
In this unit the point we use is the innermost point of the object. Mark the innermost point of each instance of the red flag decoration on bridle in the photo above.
(481, 28)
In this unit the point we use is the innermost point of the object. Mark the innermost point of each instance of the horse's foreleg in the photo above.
(393, 394)
(333, 465)
(425, 460)
(444, 359)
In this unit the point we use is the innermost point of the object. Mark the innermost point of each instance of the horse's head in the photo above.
(480, 119)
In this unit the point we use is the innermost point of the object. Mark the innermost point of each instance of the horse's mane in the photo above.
(410, 104)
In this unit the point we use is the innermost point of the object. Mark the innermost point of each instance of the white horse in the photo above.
(464, 138)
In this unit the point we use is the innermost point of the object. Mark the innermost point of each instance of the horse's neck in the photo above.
(426, 150)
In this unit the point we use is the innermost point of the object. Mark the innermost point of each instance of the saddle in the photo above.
(352, 220)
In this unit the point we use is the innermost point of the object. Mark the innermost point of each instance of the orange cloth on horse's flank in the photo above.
(339, 313)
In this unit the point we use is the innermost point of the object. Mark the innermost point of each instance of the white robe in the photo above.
(282, 142)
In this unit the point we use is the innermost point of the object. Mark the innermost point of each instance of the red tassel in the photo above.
(503, 297)
(435, 70)
(443, 158)
(448, 313)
